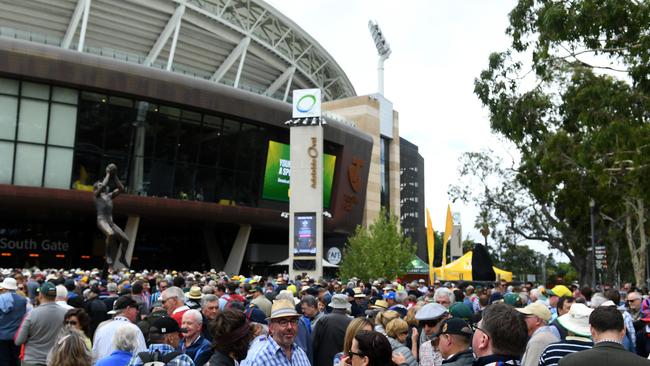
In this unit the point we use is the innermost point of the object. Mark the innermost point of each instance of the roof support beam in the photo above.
(241, 67)
(84, 26)
(73, 24)
(303, 53)
(230, 60)
(172, 49)
(282, 38)
(287, 88)
(288, 73)
(320, 67)
(332, 82)
(172, 24)
(258, 21)
(225, 6)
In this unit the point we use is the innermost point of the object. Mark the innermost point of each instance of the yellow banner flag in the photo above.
(449, 226)
(430, 243)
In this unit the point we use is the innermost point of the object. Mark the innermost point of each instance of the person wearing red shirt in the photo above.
(173, 300)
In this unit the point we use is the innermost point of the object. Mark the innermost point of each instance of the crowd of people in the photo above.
(77, 317)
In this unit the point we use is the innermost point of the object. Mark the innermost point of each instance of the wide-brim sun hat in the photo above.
(340, 301)
(577, 320)
(380, 305)
(9, 283)
(283, 309)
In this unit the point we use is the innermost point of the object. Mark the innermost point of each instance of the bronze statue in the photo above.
(116, 239)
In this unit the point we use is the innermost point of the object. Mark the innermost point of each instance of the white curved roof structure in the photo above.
(246, 44)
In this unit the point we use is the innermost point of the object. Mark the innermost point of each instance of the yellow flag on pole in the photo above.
(449, 226)
(430, 242)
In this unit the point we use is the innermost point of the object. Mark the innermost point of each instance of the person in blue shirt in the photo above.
(164, 337)
(125, 341)
(12, 310)
(279, 348)
(193, 343)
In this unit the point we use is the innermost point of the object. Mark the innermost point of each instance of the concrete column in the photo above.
(215, 255)
(236, 257)
(306, 191)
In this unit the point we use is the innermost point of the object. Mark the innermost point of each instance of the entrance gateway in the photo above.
(306, 185)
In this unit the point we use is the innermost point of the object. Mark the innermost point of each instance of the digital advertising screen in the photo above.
(304, 231)
(278, 172)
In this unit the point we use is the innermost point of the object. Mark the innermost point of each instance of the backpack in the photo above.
(156, 359)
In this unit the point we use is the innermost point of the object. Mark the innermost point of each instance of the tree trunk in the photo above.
(584, 269)
(612, 261)
(637, 251)
(640, 273)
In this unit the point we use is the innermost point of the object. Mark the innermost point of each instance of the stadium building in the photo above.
(189, 99)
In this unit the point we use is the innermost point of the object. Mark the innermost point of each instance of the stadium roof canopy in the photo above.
(246, 44)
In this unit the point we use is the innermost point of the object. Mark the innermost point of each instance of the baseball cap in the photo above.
(513, 299)
(389, 295)
(559, 290)
(461, 311)
(122, 303)
(538, 309)
(165, 325)
(455, 326)
(48, 289)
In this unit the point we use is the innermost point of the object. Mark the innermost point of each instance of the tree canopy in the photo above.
(380, 251)
(571, 94)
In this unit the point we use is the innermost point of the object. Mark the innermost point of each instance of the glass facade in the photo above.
(63, 138)
(164, 151)
(412, 216)
(385, 173)
(37, 133)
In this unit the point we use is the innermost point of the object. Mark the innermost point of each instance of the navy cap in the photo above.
(165, 325)
(455, 326)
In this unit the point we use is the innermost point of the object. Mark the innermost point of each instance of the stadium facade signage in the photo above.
(306, 103)
(312, 151)
(31, 244)
(354, 178)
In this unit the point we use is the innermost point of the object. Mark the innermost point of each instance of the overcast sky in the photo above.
(439, 47)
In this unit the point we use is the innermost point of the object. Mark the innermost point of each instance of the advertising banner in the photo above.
(304, 234)
(278, 173)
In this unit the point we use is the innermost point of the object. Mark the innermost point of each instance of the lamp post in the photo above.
(592, 204)
(383, 49)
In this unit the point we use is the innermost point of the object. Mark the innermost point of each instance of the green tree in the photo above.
(572, 96)
(521, 261)
(379, 251)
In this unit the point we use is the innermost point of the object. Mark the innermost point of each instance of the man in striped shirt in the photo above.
(279, 348)
(576, 322)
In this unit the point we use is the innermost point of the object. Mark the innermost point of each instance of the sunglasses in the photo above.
(350, 354)
(430, 323)
(71, 322)
(285, 322)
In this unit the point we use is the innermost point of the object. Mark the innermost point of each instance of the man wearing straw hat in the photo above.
(279, 347)
(578, 338)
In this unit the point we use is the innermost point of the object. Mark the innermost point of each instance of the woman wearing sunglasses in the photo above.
(78, 319)
(370, 348)
(397, 332)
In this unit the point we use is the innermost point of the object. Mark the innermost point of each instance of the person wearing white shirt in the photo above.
(62, 297)
(126, 312)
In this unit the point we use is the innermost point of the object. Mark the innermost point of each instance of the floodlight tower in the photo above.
(383, 49)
